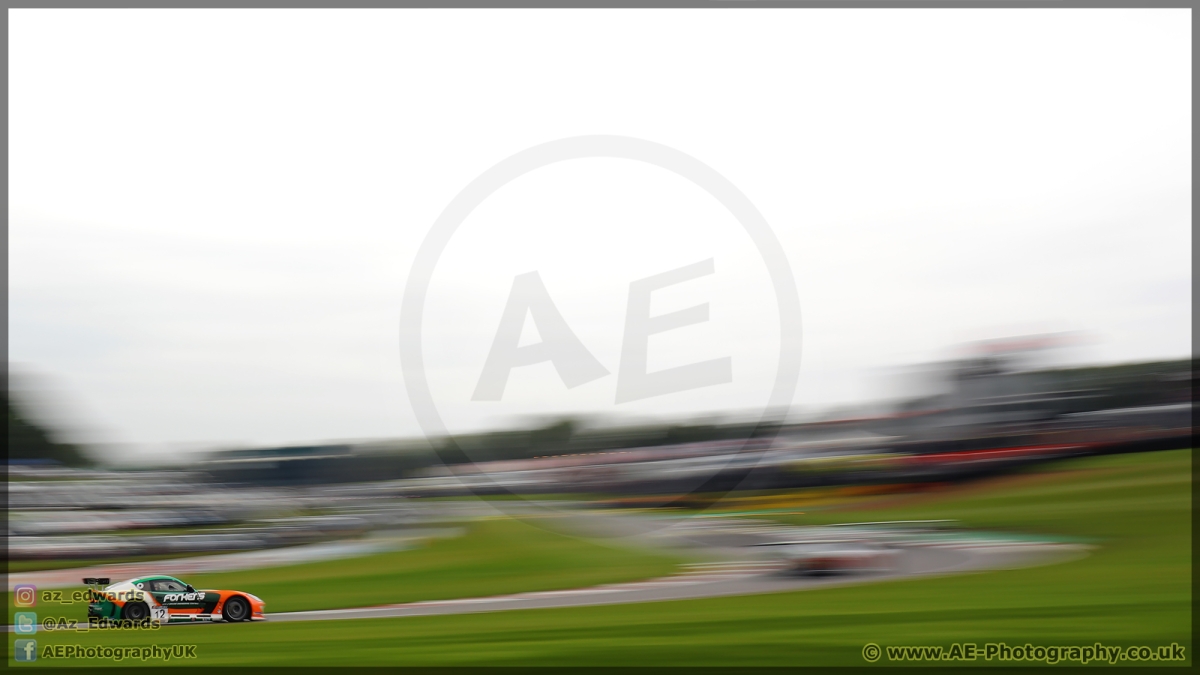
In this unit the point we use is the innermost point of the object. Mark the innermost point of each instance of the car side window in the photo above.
(166, 586)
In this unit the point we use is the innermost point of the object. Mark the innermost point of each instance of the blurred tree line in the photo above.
(28, 441)
(1106, 387)
(570, 436)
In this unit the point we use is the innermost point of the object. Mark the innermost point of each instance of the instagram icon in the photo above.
(24, 595)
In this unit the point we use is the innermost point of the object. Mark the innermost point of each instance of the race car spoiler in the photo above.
(93, 581)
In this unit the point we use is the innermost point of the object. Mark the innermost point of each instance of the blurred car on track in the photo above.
(837, 557)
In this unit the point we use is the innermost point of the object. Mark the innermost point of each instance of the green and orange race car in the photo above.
(162, 600)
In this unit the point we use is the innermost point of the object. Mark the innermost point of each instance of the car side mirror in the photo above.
(190, 589)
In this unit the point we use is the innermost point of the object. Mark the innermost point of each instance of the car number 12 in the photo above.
(159, 614)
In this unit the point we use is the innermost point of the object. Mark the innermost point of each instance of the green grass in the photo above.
(497, 556)
(1134, 589)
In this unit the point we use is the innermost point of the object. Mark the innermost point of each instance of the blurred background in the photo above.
(987, 217)
(992, 410)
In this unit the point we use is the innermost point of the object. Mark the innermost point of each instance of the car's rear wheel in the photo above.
(236, 609)
(135, 611)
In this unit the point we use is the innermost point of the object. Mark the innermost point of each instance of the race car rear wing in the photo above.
(96, 581)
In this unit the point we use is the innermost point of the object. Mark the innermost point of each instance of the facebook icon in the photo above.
(25, 650)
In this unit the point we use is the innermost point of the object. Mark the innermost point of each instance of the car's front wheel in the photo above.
(135, 611)
(236, 609)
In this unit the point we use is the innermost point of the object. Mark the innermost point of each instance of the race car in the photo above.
(164, 599)
(839, 557)
(820, 557)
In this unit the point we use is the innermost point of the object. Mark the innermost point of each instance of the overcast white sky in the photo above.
(213, 214)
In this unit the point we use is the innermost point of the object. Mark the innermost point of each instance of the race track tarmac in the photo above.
(720, 580)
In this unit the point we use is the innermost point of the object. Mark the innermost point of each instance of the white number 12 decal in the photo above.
(159, 614)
